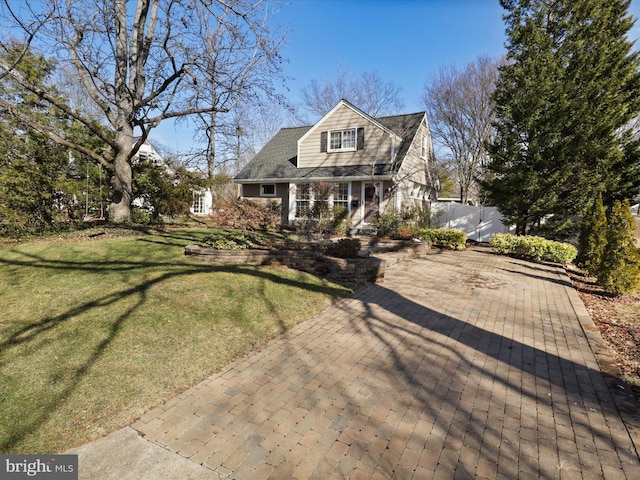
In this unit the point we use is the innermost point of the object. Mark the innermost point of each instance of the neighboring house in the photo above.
(148, 152)
(367, 165)
(202, 202)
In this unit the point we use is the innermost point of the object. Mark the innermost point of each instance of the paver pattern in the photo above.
(460, 365)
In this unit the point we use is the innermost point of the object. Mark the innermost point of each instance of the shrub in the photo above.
(449, 238)
(228, 241)
(619, 270)
(387, 224)
(593, 238)
(407, 233)
(247, 215)
(536, 248)
(345, 248)
(335, 223)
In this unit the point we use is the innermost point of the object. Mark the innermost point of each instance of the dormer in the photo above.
(346, 136)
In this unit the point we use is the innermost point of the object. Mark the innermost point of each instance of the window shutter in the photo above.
(360, 138)
(323, 141)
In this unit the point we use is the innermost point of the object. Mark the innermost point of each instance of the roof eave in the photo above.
(354, 178)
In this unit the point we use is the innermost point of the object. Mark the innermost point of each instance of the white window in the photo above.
(341, 195)
(342, 140)
(303, 200)
(423, 147)
(198, 204)
(268, 190)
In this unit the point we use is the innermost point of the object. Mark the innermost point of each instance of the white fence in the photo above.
(479, 223)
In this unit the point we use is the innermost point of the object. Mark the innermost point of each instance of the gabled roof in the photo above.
(277, 161)
(345, 103)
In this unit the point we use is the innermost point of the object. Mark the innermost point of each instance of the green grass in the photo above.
(95, 333)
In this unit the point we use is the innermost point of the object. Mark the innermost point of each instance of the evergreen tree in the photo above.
(30, 166)
(593, 238)
(569, 89)
(40, 183)
(619, 271)
(166, 190)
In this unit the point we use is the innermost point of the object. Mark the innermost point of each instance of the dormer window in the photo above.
(346, 140)
(342, 140)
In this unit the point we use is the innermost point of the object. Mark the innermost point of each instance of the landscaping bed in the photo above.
(618, 319)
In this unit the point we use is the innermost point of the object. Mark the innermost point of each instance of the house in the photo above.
(349, 159)
(147, 152)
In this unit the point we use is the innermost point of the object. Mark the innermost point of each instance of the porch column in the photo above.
(292, 202)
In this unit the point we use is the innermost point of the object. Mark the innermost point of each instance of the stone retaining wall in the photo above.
(347, 270)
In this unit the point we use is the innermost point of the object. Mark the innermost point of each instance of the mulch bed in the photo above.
(618, 319)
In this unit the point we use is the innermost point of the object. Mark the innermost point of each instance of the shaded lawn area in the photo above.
(95, 333)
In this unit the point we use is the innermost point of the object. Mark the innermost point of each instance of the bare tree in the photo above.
(368, 91)
(238, 73)
(460, 108)
(139, 62)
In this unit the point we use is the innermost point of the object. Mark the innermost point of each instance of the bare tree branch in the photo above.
(141, 62)
(460, 108)
(368, 91)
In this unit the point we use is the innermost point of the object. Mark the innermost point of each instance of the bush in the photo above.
(247, 215)
(407, 233)
(345, 248)
(593, 239)
(536, 248)
(387, 225)
(333, 224)
(449, 238)
(229, 241)
(619, 270)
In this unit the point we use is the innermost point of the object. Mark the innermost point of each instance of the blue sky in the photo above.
(404, 41)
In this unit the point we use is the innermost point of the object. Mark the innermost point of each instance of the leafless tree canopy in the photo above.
(461, 113)
(369, 92)
(140, 62)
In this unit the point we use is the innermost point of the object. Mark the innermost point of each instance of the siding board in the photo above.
(376, 141)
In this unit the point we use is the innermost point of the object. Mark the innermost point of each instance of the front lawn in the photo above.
(94, 333)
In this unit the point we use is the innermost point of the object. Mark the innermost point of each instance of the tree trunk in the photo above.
(120, 207)
(211, 156)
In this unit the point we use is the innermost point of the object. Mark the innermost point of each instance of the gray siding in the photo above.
(251, 191)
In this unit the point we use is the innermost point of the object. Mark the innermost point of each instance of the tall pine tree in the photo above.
(564, 100)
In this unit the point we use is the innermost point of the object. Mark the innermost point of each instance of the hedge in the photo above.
(445, 238)
(536, 248)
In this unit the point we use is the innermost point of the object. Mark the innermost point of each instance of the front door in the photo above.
(371, 192)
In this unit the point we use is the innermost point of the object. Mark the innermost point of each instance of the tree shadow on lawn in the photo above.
(30, 333)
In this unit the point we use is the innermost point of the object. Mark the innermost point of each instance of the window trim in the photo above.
(263, 193)
(342, 131)
(424, 147)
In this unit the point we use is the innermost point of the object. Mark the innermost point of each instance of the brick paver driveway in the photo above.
(460, 365)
